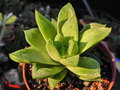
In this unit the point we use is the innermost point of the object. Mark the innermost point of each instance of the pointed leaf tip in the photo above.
(66, 13)
(46, 28)
(31, 55)
(90, 37)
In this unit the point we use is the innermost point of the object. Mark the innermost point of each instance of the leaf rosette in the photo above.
(56, 47)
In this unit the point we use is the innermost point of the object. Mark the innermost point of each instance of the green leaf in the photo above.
(1, 17)
(59, 41)
(91, 37)
(54, 22)
(96, 25)
(45, 71)
(88, 69)
(70, 61)
(35, 39)
(54, 80)
(11, 20)
(70, 28)
(31, 55)
(92, 25)
(52, 51)
(46, 27)
(86, 79)
(61, 44)
(66, 13)
(73, 47)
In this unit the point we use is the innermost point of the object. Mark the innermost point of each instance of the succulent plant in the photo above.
(4, 29)
(56, 47)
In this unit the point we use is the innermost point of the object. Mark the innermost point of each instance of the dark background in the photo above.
(111, 7)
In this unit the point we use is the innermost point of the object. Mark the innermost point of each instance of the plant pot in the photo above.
(106, 52)
(112, 62)
(13, 86)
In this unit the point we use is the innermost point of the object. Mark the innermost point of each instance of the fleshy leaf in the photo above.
(53, 81)
(65, 13)
(11, 20)
(35, 39)
(91, 37)
(86, 79)
(1, 17)
(88, 69)
(96, 25)
(59, 41)
(92, 25)
(31, 55)
(73, 47)
(70, 28)
(54, 22)
(70, 61)
(46, 27)
(52, 51)
(61, 44)
(45, 71)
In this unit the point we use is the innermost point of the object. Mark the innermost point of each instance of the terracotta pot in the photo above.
(106, 52)
(8, 84)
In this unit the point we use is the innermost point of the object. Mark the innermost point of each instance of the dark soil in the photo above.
(71, 82)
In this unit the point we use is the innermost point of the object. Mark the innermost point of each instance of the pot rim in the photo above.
(106, 50)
